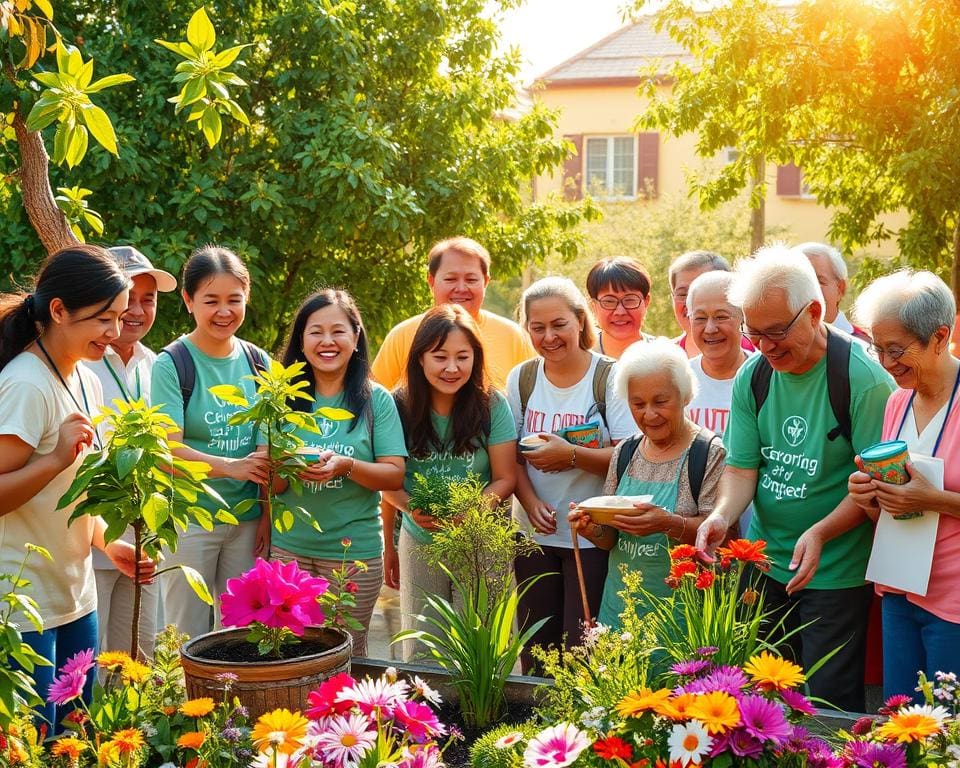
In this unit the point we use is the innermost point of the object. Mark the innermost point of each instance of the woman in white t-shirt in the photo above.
(560, 397)
(46, 401)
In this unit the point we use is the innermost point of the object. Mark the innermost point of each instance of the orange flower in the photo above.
(280, 729)
(771, 672)
(717, 710)
(704, 580)
(747, 551)
(68, 747)
(634, 704)
(134, 672)
(197, 707)
(683, 568)
(683, 552)
(913, 725)
(191, 740)
(677, 707)
(113, 659)
(128, 740)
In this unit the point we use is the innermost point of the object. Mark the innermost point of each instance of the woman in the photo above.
(216, 287)
(675, 461)
(619, 291)
(46, 401)
(910, 316)
(355, 459)
(456, 424)
(560, 396)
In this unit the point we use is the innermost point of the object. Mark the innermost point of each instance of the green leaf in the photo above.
(230, 394)
(45, 8)
(42, 115)
(85, 75)
(49, 79)
(226, 57)
(200, 32)
(76, 145)
(100, 126)
(225, 517)
(181, 49)
(212, 126)
(127, 458)
(155, 510)
(108, 82)
(334, 414)
(193, 91)
(197, 584)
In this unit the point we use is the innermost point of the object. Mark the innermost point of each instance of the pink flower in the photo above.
(66, 688)
(81, 663)
(345, 739)
(323, 701)
(555, 747)
(277, 595)
(763, 719)
(797, 702)
(427, 756)
(374, 695)
(418, 720)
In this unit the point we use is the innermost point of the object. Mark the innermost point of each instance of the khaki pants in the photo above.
(115, 611)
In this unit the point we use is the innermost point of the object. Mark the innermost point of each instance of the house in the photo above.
(596, 94)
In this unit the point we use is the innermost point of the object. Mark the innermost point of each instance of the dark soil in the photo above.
(243, 651)
(457, 755)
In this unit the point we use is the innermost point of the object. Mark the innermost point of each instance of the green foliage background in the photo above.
(377, 128)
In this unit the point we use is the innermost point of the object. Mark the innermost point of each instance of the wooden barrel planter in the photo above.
(263, 685)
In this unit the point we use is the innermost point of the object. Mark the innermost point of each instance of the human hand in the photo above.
(862, 487)
(76, 433)
(391, 567)
(648, 519)
(711, 533)
(916, 495)
(124, 556)
(554, 455)
(805, 560)
(425, 521)
(328, 466)
(542, 517)
(254, 468)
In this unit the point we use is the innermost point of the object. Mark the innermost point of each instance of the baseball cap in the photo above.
(134, 263)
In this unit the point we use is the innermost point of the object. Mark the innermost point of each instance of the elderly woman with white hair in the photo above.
(910, 316)
(673, 460)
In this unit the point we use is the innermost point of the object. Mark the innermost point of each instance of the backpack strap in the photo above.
(256, 358)
(839, 346)
(760, 382)
(186, 370)
(624, 457)
(600, 375)
(697, 461)
(526, 381)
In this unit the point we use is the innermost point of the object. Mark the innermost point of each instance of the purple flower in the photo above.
(744, 744)
(730, 680)
(866, 754)
(797, 702)
(418, 720)
(763, 719)
(707, 650)
(66, 688)
(820, 755)
(81, 663)
(690, 668)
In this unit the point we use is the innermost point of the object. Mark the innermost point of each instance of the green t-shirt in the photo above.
(206, 427)
(502, 430)
(801, 475)
(341, 507)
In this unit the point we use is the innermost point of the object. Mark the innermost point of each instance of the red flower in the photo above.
(351, 587)
(747, 551)
(683, 552)
(611, 748)
(704, 580)
(683, 568)
(322, 702)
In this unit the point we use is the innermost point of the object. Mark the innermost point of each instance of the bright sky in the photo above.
(550, 31)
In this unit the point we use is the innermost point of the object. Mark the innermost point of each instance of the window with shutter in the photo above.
(610, 166)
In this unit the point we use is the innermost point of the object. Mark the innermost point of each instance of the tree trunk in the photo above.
(47, 219)
(758, 203)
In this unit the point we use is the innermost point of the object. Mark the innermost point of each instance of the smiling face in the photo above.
(88, 331)
(715, 325)
(218, 307)
(918, 361)
(656, 405)
(141, 310)
(329, 340)
(554, 328)
(681, 285)
(459, 280)
(795, 353)
(621, 323)
(449, 366)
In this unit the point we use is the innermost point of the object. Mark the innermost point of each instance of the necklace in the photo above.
(83, 392)
(123, 384)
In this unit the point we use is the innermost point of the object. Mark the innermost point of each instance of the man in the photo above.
(458, 273)
(124, 373)
(791, 457)
(831, 272)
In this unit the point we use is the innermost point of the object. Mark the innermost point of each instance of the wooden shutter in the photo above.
(648, 164)
(788, 180)
(573, 169)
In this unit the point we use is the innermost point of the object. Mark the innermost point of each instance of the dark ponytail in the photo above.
(79, 275)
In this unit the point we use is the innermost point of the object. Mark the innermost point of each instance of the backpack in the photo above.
(187, 369)
(527, 380)
(696, 459)
(838, 383)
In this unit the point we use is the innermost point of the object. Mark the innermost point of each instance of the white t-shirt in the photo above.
(33, 405)
(551, 408)
(711, 407)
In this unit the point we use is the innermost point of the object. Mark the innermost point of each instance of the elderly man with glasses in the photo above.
(791, 458)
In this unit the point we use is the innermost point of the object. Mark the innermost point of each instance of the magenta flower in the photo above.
(866, 754)
(730, 680)
(797, 702)
(741, 743)
(80, 663)
(707, 650)
(418, 720)
(862, 726)
(690, 668)
(820, 755)
(763, 719)
(277, 595)
(896, 701)
(427, 756)
(322, 702)
(65, 688)
(555, 747)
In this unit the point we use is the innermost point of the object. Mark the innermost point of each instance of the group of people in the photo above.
(751, 423)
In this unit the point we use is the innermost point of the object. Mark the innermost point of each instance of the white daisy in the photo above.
(688, 743)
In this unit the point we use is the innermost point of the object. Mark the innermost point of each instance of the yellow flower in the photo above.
(134, 672)
(197, 707)
(281, 729)
(68, 747)
(717, 710)
(677, 708)
(771, 672)
(113, 659)
(191, 740)
(909, 726)
(108, 753)
(128, 740)
(634, 704)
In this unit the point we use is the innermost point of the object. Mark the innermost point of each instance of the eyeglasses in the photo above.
(892, 353)
(773, 336)
(628, 300)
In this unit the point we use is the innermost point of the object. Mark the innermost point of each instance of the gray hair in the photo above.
(776, 267)
(837, 264)
(920, 301)
(709, 282)
(654, 356)
(697, 260)
(565, 289)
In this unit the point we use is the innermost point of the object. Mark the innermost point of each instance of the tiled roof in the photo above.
(620, 55)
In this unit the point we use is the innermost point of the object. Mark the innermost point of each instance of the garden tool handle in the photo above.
(587, 618)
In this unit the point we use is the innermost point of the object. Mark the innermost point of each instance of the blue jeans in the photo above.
(57, 645)
(914, 640)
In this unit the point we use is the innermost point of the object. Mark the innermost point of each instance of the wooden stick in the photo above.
(587, 618)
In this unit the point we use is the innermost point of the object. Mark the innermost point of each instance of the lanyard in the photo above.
(122, 383)
(946, 418)
(83, 392)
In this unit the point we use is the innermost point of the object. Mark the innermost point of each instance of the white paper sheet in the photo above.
(902, 551)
